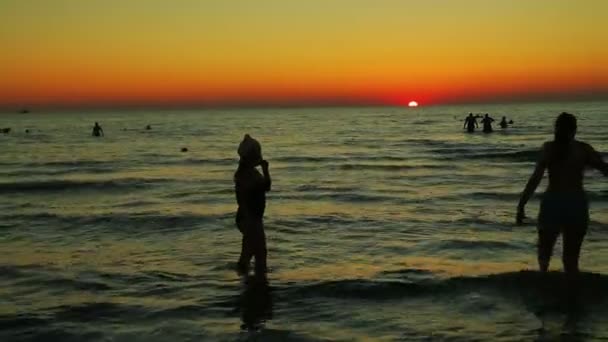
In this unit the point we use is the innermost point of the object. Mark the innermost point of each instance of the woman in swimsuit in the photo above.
(250, 188)
(564, 207)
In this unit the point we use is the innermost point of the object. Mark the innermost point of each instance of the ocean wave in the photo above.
(65, 283)
(477, 153)
(408, 283)
(36, 275)
(21, 321)
(359, 288)
(472, 221)
(473, 245)
(293, 225)
(73, 163)
(49, 172)
(388, 167)
(195, 161)
(67, 185)
(427, 142)
(310, 159)
(482, 195)
(356, 160)
(347, 197)
(101, 311)
(518, 156)
(599, 196)
(92, 166)
(501, 196)
(322, 188)
(135, 204)
(137, 223)
(13, 271)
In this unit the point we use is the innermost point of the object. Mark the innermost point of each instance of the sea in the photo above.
(383, 224)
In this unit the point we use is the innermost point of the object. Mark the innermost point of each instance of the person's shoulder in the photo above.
(583, 144)
(247, 177)
(584, 147)
(546, 149)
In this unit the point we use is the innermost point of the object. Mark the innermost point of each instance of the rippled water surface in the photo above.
(382, 224)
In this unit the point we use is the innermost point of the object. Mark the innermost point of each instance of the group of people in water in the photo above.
(564, 206)
(98, 131)
(563, 210)
(470, 123)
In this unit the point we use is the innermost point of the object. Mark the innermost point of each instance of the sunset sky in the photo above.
(282, 52)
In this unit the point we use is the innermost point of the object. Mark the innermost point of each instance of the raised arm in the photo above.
(266, 172)
(532, 184)
(594, 159)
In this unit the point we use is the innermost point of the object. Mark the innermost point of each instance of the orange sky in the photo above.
(191, 52)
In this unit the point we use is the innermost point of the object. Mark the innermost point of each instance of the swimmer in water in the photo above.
(97, 130)
(470, 123)
(487, 124)
(503, 123)
(564, 208)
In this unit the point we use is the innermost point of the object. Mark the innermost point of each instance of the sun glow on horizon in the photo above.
(315, 52)
(412, 104)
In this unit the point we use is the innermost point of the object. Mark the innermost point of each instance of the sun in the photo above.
(412, 104)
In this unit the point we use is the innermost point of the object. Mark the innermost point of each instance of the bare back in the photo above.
(566, 165)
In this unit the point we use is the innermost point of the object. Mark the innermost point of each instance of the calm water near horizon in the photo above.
(383, 224)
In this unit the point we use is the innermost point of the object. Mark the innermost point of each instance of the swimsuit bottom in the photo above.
(563, 210)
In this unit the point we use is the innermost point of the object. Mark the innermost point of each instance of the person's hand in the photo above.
(264, 164)
(521, 215)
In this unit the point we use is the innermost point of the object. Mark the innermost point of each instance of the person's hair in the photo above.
(565, 129)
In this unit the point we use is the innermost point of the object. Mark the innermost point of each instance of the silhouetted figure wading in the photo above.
(564, 207)
(97, 130)
(470, 122)
(503, 123)
(250, 189)
(487, 124)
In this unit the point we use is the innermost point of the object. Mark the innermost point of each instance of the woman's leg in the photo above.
(259, 249)
(574, 234)
(246, 254)
(546, 241)
(246, 247)
(573, 240)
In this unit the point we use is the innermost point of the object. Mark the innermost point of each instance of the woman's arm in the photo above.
(532, 184)
(594, 159)
(266, 172)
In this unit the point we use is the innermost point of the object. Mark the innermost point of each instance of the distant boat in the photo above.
(24, 111)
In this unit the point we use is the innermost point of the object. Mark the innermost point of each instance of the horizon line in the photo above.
(288, 105)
